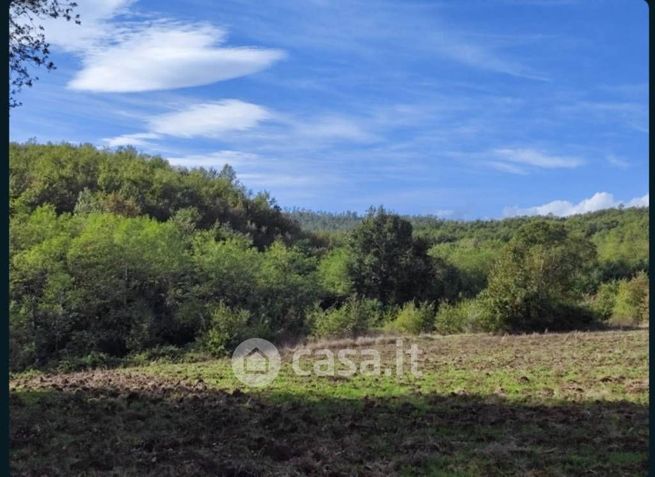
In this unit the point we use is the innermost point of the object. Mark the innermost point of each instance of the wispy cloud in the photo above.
(332, 127)
(136, 139)
(224, 119)
(287, 178)
(389, 97)
(212, 119)
(519, 160)
(481, 56)
(633, 114)
(564, 208)
(505, 167)
(617, 161)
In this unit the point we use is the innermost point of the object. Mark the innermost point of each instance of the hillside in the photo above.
(115, 254)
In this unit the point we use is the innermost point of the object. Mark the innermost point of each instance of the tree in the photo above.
(28, 46)
(537, 279)
(388, 264)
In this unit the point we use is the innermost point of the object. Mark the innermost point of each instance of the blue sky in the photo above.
(458, 108)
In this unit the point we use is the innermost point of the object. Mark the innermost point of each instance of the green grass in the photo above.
(540, 405)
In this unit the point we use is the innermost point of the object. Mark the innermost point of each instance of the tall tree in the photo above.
(388, 264)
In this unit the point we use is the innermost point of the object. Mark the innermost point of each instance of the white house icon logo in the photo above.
(256, 362)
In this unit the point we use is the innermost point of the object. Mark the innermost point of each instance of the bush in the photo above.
(605, 299)
(463, 317)
(92, 360)
(355, 317)
(227, 328)
(631, 306)
(165, 353)
(414, 319)
(533, 314)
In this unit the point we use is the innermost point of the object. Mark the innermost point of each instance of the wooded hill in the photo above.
(117, 254)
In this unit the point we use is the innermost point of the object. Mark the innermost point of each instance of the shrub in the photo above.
(605, 299)
(354, 318)
(414, 319)
(631, 306)
(227, 328)
(463, 317)
(92, 360)
(566, 317)
(531, 313)
(164, 353)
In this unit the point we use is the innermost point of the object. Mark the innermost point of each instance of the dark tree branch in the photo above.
(28, 47)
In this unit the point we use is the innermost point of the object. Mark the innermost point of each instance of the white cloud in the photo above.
(121, 56)
(211, 119)
(138, 139)
(332, 128)
(534, 158)
(167, 56)
(638, 202)
(564, 208)
(95, 25)
(443, 213)
(223, 119)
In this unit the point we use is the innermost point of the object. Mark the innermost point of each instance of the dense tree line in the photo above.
(116, 254)
(619, 235)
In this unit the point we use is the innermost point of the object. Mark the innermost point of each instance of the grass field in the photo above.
(533, 405)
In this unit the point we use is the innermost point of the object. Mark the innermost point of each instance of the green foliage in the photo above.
(472, 259)
(98, 282)
(117, 254)
(620, 235)
(414, 319)
(162, 353)
(333, 273)
(225, 330)
(85, 179)
(388, 264)
(631, 305)
(603, 302)
(466, 316)
(355, 317)
(536, 278)
(93, 360)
